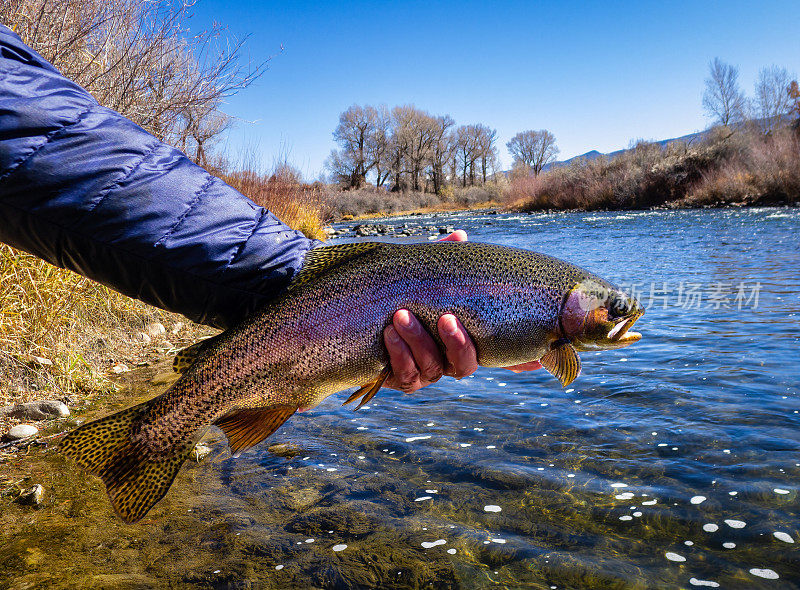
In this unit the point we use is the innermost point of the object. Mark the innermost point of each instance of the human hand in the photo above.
(416, 359)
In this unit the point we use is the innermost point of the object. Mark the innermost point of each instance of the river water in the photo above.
(673, 463)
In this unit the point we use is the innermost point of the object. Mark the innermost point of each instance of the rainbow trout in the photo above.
(325, 334)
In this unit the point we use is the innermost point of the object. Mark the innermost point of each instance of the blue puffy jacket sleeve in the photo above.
(86, 189)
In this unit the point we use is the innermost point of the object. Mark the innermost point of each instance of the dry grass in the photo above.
(61, 334)
(299, 205)
(371, 202)
(744, 169)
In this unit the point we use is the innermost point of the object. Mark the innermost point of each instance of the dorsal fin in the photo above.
(246, 428)
(563, 363)
(187, 357)
(320, 260)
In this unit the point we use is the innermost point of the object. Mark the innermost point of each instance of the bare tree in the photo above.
(401, 142)
(442, 150)
(723, 99)
(138, 58)
(340, 165)
(772, 100)
(487, 152)
(794, 101)
(421, 135)
(467, 151)
(533, 149)
(353, 134)
(378, 147)
(414, 149)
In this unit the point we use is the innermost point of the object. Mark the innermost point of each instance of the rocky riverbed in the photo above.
(430, 225)
(57, 528)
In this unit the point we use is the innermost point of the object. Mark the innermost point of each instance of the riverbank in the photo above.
(728, 168)
(487, 206)
(741, 168)
(64, 340)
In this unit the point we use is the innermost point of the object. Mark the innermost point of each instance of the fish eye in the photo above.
(619, 307)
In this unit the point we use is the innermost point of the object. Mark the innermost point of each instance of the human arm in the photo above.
(86, 189)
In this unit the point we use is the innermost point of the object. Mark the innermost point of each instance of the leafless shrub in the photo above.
(301, 206)
(138, 58)
(766, 173)
(476, 195)
(742, 168)
(371, 201)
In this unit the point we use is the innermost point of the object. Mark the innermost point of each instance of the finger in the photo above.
(424, 350)
(405, 375)
(457, 236)
(529, 366)
(461, 354)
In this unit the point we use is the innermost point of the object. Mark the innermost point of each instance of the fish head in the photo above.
(596, 315)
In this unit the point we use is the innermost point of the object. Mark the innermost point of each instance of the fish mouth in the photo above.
(620, 335)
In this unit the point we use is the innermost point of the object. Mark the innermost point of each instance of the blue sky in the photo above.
(596, 74)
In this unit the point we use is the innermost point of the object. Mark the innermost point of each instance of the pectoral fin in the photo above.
(247, 428)
(562, 362)
(369, 390)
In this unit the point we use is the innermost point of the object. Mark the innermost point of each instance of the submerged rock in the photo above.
(155, 330)
(200, 452)
(21, 431)
(33, 496)
(285, 450)
(354, 521)
(38, 410)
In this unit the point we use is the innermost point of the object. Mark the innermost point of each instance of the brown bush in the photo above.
(373, 201)
(742, 167)
(299, 205)
(767, 172)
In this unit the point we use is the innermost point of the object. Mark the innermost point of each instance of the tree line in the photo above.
(406, 148)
